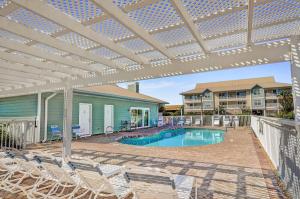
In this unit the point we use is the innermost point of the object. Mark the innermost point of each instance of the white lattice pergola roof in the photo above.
(46, 43)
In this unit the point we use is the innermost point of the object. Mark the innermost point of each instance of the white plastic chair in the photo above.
(227, 121)
(197, 121)
(96, 182)
(216, 120)
(187, 122)
(159, 183)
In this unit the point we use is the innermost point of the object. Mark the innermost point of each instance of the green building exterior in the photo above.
(123, 101)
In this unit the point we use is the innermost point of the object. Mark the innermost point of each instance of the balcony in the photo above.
(197, 108)
(271, 95)
(258, 106)
(207, 98)
(192, 100)
(233, 98)
(235, 106)
(272, 105)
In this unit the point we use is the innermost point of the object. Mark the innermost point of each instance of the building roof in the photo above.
(117, 91)
(241, 84)
(173, 107)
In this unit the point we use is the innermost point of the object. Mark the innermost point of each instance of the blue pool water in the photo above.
(178, 138)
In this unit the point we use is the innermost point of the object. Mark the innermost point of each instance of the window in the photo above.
(241, 94)
(257, 92)
(140, 117)
(222, 95)
(207, 105)
(223, 104)
(257, 103)
(207, 95)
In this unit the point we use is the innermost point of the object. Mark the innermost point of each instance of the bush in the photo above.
(286, 115)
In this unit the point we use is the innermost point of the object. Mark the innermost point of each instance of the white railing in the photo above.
(17, 132)
(280, 140)
(271, 105)
(206, 120)
(271, 95)
(234, 106)
(192, 100)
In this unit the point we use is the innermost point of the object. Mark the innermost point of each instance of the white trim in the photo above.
(143, 115)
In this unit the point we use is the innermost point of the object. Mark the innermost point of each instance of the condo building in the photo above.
(258, 96)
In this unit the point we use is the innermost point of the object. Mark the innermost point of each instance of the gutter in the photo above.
(46, 116)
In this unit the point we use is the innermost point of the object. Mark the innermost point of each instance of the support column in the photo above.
(295, 69)
(38, 117)
(67, 132)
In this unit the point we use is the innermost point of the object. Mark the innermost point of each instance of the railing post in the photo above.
(295, 69)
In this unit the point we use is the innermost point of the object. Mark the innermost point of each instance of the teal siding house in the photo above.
(96, 109)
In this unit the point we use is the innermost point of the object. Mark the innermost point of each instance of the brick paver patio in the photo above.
(235, 168)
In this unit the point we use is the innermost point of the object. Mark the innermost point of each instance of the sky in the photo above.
(168, 88)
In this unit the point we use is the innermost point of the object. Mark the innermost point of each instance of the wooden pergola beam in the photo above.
(125, 20)
(44, 65)
(43, 9)
(29, 33)
(189, 23)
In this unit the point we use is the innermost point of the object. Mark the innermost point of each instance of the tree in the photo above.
(286, 104)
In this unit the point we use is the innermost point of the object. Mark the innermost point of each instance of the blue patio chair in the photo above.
(55, 132)
(76, 131)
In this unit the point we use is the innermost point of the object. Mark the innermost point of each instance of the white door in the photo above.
(108, 118)
(85, 118)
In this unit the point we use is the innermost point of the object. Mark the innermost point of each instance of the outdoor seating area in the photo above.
(220, 172)
(70, 129)
(45, 175)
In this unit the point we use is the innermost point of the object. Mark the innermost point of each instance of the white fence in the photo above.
(17, 132)
(206, 120)
(281, 141)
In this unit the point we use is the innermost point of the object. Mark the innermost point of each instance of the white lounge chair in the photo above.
(198, 122)
(180, 122)
(109, 130)
(227, 121)
(236, 121)
(157, 183)
(216, 120)
(18, 170)
(59, 179)
(188, 122)
(96, 183)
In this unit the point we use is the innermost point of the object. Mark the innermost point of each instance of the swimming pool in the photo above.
(178, 138)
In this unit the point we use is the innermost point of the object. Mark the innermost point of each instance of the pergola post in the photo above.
(295, 66)
(38, 117)
(67, 131)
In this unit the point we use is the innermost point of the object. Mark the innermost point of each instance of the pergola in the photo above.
(64, 44)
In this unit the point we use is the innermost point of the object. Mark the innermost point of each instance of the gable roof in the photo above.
(241, 84)
(173, 107)
(116, 91)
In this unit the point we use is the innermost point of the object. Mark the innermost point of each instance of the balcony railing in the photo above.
(258, 106)
(258, 95)
(271, 95)
(234, 106)
(192, 100)
(271, 105)
(197, 108)
(232, 97)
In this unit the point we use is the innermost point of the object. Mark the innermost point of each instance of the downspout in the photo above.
(46, 116)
